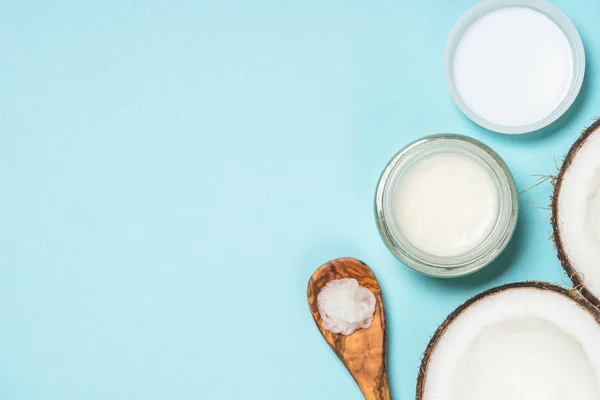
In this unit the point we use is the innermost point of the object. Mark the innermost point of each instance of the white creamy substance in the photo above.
(446, 204)
(513, 66)
(345, 306)
(579, 212)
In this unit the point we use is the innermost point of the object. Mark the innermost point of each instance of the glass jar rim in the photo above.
(482, 254)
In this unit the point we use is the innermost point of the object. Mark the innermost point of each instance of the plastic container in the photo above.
(558, 17)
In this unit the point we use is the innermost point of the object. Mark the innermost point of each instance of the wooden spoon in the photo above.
(363, 352)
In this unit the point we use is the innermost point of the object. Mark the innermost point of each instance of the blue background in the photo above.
(172, 172)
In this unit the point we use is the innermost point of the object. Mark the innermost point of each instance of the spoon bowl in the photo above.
(363, 352)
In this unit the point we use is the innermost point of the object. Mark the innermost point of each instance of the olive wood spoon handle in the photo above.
(363, 352)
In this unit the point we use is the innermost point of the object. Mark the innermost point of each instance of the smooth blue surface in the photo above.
(173, 171)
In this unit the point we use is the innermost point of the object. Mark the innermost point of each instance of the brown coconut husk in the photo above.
(575, 276)
(572, 295)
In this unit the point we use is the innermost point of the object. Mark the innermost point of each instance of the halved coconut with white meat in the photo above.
(525, 341)
(576, 213)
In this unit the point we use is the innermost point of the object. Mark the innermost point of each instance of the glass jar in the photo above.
(489, 248)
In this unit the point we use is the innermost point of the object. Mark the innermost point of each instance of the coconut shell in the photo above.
(572, 295)
(574, 275)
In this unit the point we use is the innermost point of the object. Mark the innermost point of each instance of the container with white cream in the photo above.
(446, 205)
(514, 66)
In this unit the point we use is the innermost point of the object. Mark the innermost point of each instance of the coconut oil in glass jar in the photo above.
(446, 205)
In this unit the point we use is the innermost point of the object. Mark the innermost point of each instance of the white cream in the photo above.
(513, 66)
(446, 204)
(345, 306)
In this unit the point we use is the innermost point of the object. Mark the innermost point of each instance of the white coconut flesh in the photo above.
(579, 213)
(517, 344)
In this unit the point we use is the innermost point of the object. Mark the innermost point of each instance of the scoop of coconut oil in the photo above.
(345, 306)
(446, 204)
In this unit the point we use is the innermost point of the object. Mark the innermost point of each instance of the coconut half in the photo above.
(527, 341)
(576, 213)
